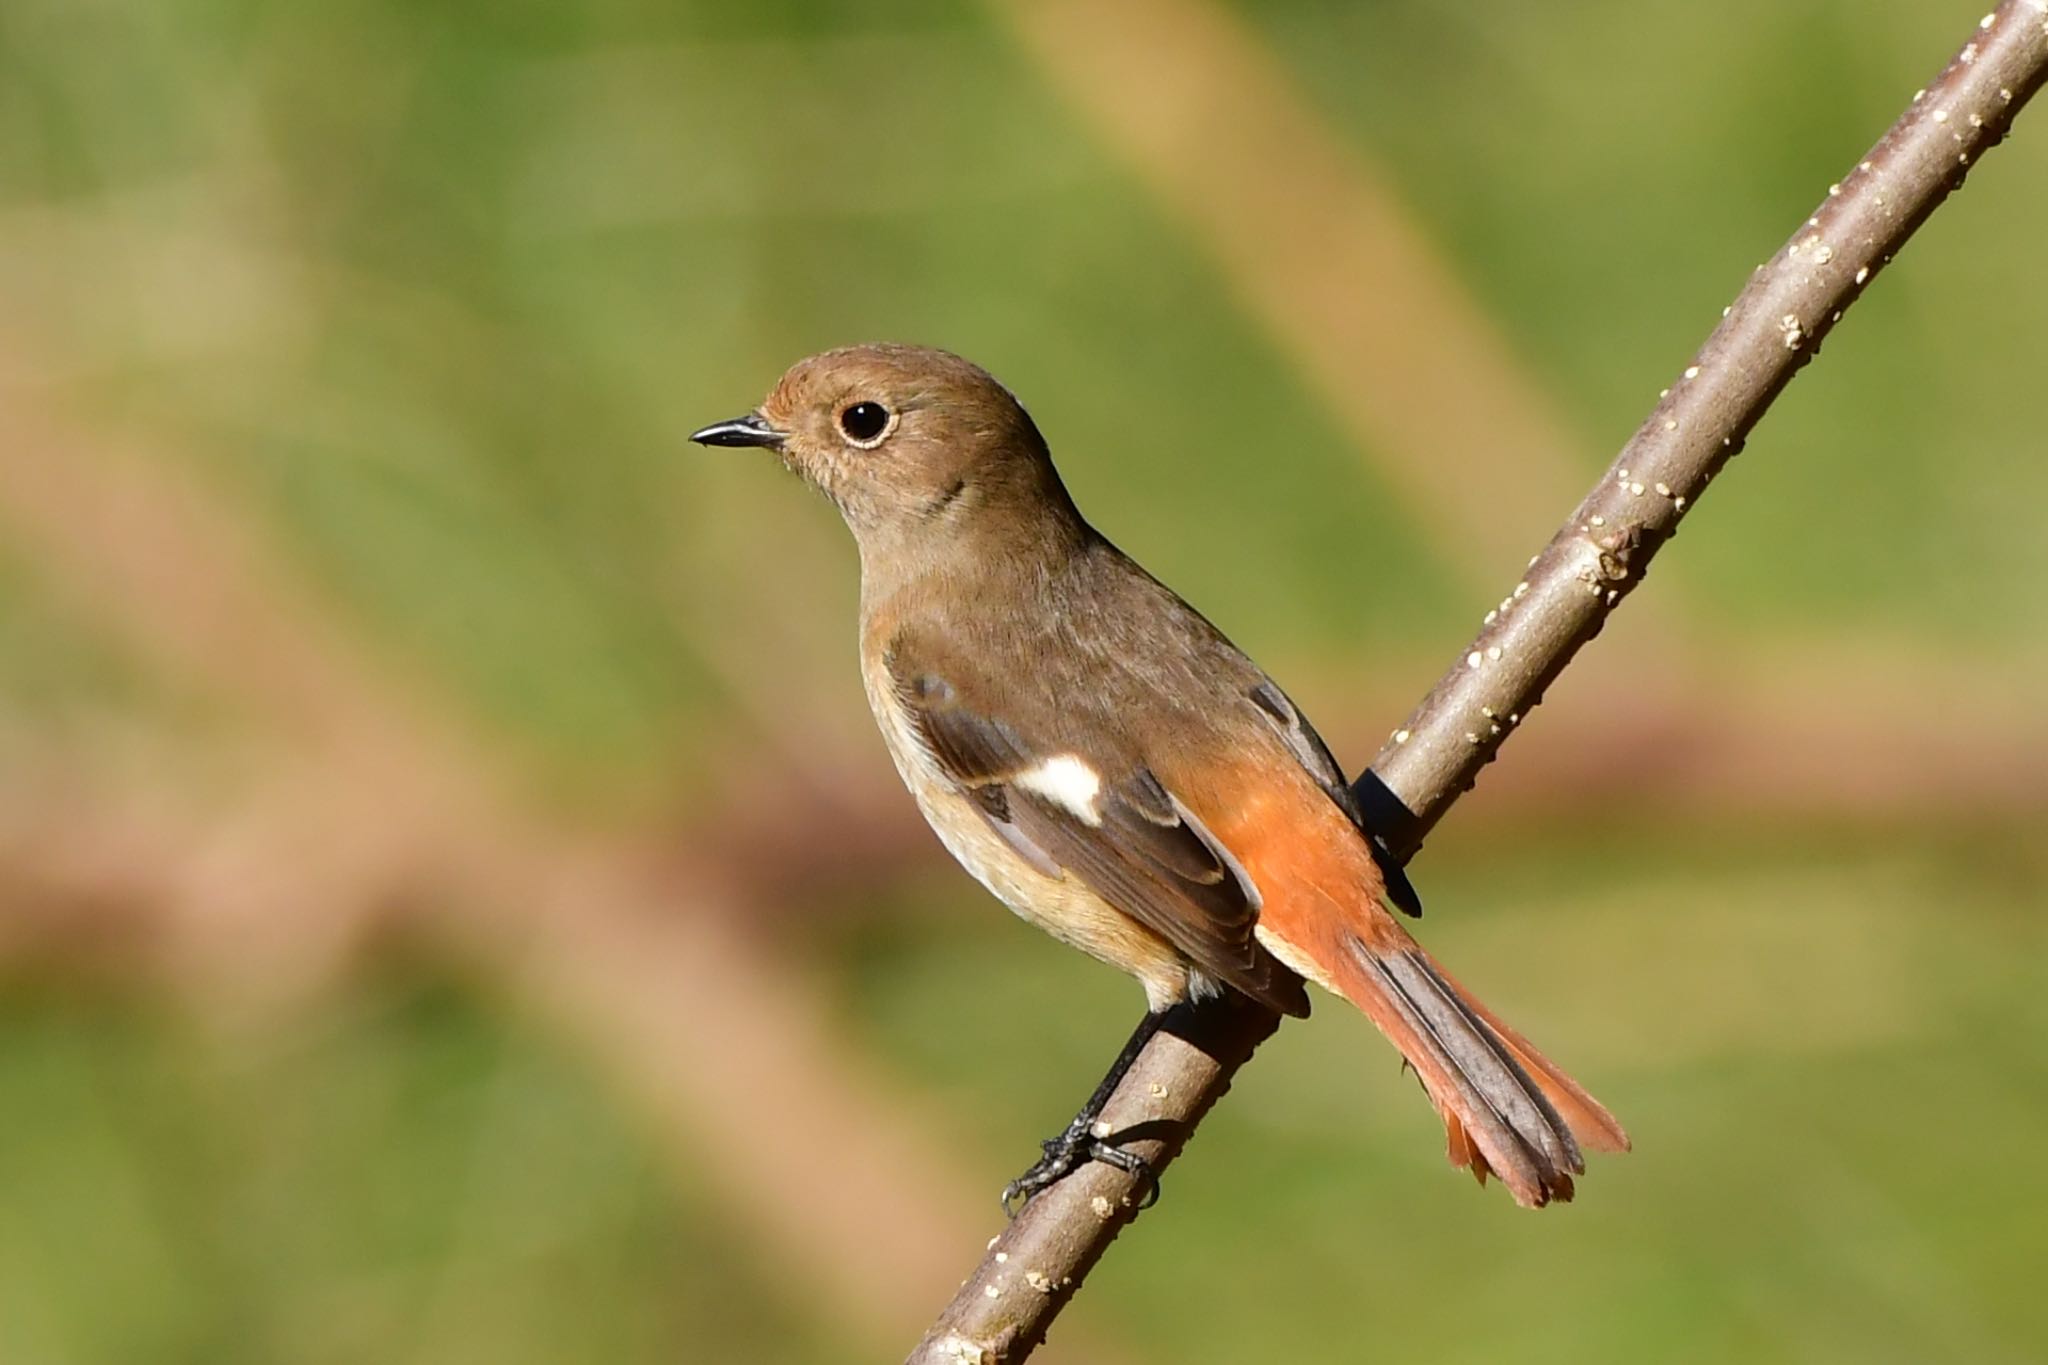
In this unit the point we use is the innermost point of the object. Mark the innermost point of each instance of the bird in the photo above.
(1118, 773)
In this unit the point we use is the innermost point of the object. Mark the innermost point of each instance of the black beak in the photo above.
(751, 430)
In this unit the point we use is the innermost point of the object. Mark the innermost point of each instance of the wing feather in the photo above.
(1144, 851)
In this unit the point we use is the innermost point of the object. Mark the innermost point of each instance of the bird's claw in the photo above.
(1067, 1153)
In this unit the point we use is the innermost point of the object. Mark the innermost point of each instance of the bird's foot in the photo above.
(1074, 1148)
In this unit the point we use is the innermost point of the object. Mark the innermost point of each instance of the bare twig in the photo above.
(1776, 325)
(1004, 1309)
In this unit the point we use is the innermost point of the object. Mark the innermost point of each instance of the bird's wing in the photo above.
(1072, 807)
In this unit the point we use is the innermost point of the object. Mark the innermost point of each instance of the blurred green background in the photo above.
(453, 906)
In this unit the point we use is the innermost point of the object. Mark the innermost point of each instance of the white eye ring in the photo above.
(857, 425)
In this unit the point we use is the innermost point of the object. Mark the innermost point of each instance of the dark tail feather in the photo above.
(1506, 1109)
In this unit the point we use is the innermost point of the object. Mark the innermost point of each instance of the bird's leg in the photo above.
(1079, 1143)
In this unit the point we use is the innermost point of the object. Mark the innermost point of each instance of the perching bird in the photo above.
(1117, 772)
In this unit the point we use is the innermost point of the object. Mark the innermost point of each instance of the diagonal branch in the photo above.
(1773, 328)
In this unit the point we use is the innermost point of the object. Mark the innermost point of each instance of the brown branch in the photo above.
(1776, 325)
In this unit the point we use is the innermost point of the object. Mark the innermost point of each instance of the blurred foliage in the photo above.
(438, 289)
(401, 1177)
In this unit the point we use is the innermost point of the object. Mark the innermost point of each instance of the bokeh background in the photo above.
(452, 904)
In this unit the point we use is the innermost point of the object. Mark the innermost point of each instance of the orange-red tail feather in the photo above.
(1507, 1109)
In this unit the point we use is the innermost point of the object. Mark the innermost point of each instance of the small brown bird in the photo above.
(1117, 772)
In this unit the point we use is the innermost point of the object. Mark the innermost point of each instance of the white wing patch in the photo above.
(1068, 783)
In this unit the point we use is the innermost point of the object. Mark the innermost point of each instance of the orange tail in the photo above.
(1506, 1108)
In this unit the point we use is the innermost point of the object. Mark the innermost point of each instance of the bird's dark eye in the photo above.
(864, 423)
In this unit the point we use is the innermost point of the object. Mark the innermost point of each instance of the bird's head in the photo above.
(909, 442)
